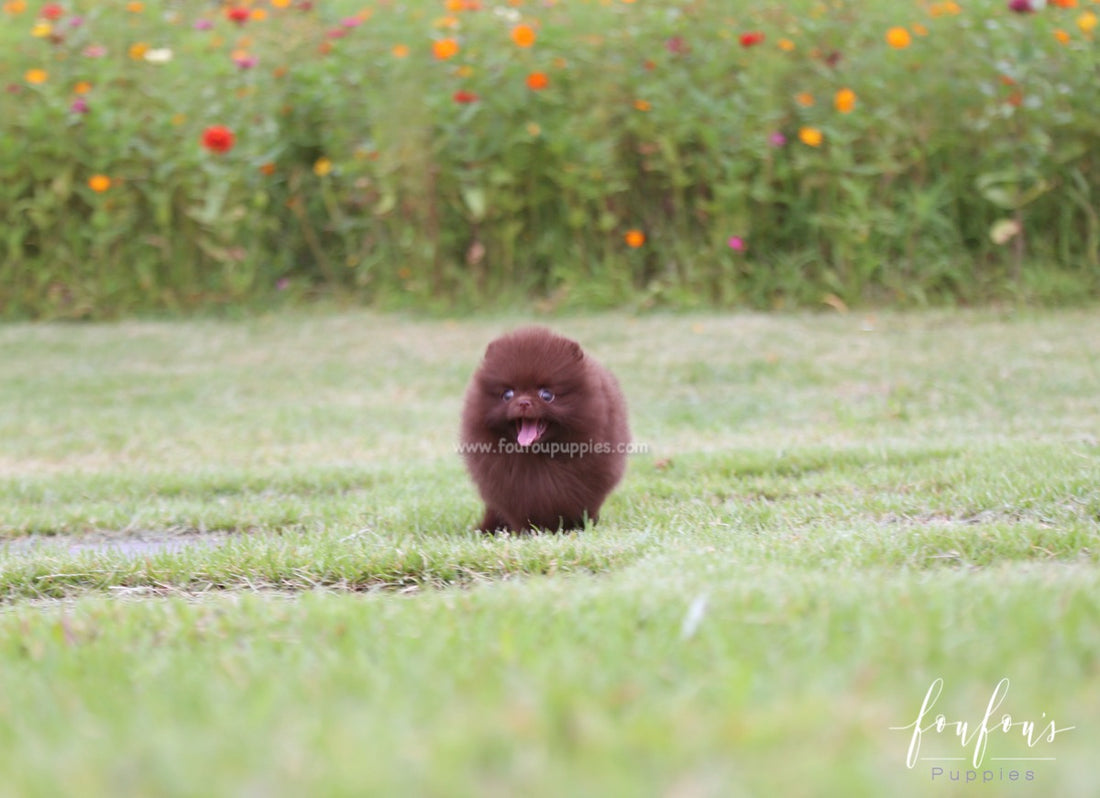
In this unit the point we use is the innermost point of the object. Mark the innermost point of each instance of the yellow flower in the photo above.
(634, 238)
(786, 45)
(41, 29)
(99, 183)
(322, 166)
(138, 50)
(280, 3)
(1087, 22)
(811, 136)
(845, 100)
(36, 76)
(898, 38)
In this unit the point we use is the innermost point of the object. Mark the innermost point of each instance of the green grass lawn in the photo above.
(237, 560)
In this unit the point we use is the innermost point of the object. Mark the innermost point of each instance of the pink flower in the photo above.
(736, 243)
(95, 51)
(79, 106)
(677, 46)
(777, 139)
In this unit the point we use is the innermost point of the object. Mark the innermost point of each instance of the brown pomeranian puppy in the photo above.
(544, 433)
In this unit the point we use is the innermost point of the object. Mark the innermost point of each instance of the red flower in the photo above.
(218, 138)
(463, 96)
(51, 11)
(238, 14)
(751, 38)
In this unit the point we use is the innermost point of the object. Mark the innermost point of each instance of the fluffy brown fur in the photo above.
(544, 432)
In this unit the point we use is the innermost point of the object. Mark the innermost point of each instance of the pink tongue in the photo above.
(528, 432)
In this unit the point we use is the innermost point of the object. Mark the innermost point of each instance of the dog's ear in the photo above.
(575, 350)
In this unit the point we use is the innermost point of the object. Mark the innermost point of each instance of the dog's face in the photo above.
(531, 387)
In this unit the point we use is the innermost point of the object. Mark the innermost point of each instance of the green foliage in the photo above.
(962, 167)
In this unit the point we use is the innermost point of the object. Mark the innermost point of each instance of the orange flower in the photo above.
(443, 49)
(804, 98)
(1064, 3)
(845, 100)
(1061, 36)
(944, 9)
(898, 38)
(634, 238)
(642, 105)
(523, 35)
(811, 136)
(280, 3)
(138, 50)
(99, 183)
(537, 81)
(400, 51)
(36, 76)
(786, 45)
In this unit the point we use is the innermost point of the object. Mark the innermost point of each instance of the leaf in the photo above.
(386, 203)
(474, 197)
(1004, 189)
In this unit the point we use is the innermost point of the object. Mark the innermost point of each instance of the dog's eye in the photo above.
(507, 395)
(546, 395)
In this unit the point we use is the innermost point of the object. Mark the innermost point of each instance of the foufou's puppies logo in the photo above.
(974, 739)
